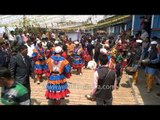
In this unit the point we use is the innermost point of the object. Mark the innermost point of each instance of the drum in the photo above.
(146, 62)
(130, 70)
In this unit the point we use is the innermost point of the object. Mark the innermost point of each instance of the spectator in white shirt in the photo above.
(12, 37)
(30, 47)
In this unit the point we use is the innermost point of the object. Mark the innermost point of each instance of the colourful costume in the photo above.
(111, 63)
(39, 59)
(49, 52)
(58, 70)
(70, 49)
(77, 61)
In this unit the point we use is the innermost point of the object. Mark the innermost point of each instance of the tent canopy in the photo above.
(49, 21)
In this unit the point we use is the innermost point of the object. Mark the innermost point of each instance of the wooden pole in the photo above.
(24, 22)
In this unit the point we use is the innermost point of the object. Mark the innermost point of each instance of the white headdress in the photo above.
(56, 42)
(58, 49)
(76, 42)
(139, 41)
(154, 43)
(103, 50)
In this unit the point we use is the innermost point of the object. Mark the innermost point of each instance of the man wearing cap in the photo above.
(20, 67)
(136, 59)
(77, 62)
(58, 69)
(39, 59)
(153, 59)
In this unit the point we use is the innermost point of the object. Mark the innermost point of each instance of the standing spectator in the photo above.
(13, 93)
(119, 55)
(7, 50)
(30, 47)
(145, 46)
(86, 57)
(145, 22)
(19, 38)
(12, 37)
(142, 22)
(119, 71)
(90, 48)
(64, 46)
(97, 51)
(104, 80)
(144, 34)
(20, 67)
(112, 62)
(44, 43)
(25, 37)
(15, 47)
(5, 36)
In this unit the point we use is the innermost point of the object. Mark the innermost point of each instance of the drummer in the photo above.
(152, 68)
(136, 60)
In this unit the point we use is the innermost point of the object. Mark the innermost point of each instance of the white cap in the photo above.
(139, 41)
(154, 43)
(38, 41)
(120, 41)
(127, 40)
(103, 50)
(76, 42)
(58, 49)
(27, 33)
(106, 45)
(56, 42)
